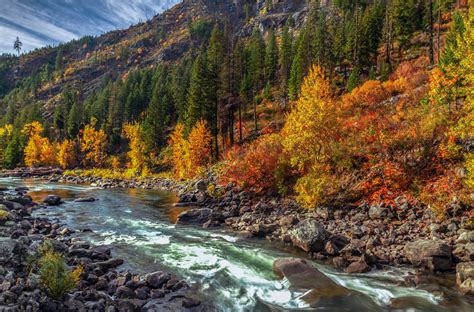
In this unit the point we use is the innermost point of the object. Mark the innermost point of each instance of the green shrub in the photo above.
(54, 274)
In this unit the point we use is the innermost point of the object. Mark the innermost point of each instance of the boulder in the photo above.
(358, 267)
(309, 235)
(325, 212)
(322, 291)
(157, 279)
(379, 212)
(464, 252)
(201, 186)
(434, 255)
(109, 264)
(85, 200)
(194, 216)
(301, 274)
(465, 277)
(52, 200)
(466, 237)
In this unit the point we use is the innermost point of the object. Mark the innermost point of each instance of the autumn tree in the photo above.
(93, 145)
(66, 155)
(38, 150)
(6, 133)
(309, 136)
(191, 155)
(199, 147)
(136, 154)
(180, 151)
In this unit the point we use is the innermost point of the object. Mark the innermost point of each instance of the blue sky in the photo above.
(42, 22)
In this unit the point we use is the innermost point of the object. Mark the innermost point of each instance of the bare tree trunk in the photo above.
(240, 121)
(431, 33)
(439, 33)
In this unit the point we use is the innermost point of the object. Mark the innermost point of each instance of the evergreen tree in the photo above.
(404, 21)
(353, 79)
(196, 92)
(59, 60)
(215, 57)
(74, 120)
(158, 115)
(17, 45)
(13, 153)
(297, 68)
(271, 58)
(257, 59)
(285, 60)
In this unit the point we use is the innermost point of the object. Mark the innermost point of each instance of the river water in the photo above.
(235, 272)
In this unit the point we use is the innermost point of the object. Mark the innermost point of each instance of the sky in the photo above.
(48, 22)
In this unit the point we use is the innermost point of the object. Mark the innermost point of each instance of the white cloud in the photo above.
(43, 22)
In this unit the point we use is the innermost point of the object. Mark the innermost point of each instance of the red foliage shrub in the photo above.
(254, 166)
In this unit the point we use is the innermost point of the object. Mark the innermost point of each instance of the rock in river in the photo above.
(52, 200)
(304, 276)
(85, 200)
(309, 235)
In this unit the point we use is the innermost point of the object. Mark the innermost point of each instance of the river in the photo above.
(235, 272)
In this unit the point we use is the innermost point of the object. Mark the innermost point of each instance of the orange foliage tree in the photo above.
(93, 145)
(38, 150)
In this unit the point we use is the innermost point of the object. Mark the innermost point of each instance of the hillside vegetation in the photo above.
(333, 102)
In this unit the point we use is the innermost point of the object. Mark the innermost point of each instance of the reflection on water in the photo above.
(139, 226)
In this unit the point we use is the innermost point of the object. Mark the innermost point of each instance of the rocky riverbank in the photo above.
(356, 239)
(103, 286)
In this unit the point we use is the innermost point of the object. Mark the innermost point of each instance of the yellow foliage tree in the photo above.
(5, 137)
(309, 136)
(464, 128)
(38, 150)
(180, 151)
(93, 145)
(136, 154)
(66, 154)
(200, 140)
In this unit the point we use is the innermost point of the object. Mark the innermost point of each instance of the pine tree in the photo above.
(13, 153)
(159, 112)
(404, 21)
(271, 58)
(297, 68)
(74, 120)
(17, 45)
(59, 60)
(285, 60)
(196, 92)
(257, 59)
(215, 57)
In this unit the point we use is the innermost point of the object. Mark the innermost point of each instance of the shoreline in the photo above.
(356, 240)
(102, 286)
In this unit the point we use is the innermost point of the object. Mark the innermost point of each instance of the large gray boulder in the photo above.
(465, 277)
(309, 235)
(321, 290)
(302, 275)
(194, 216)
(434, 255)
